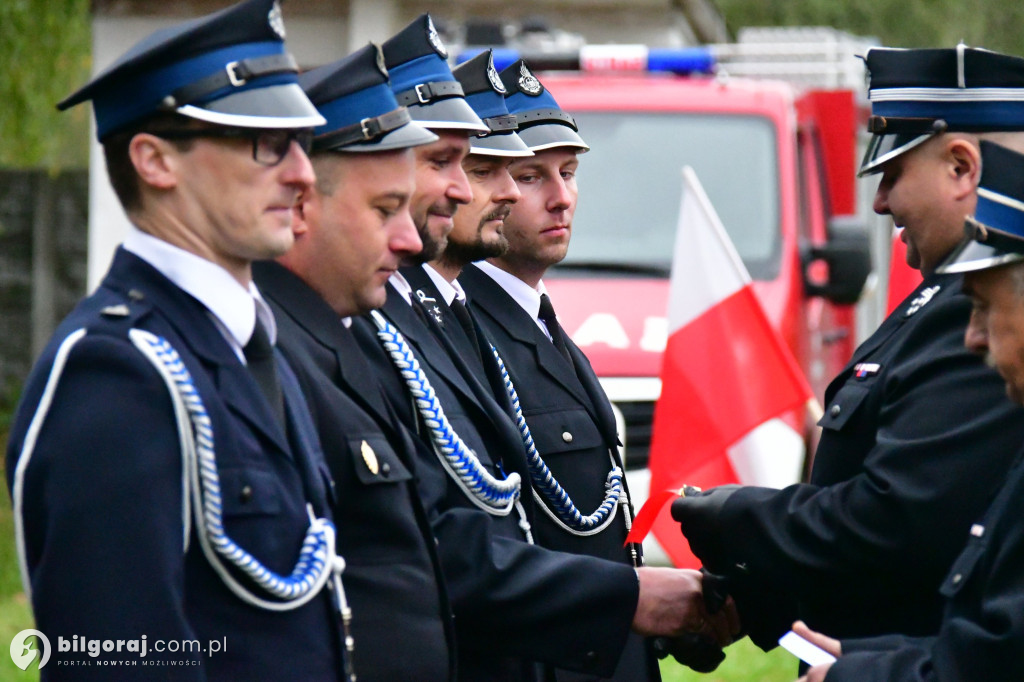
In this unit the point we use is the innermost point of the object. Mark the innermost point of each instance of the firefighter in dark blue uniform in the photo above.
(570, 418)
(350, 229)
(516, 604)
(916, 436)
(982, 631)
(166, 479)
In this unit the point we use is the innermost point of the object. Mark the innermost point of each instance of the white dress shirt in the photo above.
(232, 307)
(526, 296)
(449, 290)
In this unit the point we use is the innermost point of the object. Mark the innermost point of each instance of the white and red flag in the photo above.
(725, 372)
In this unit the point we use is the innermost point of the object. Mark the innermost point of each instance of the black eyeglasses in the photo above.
(269, 145)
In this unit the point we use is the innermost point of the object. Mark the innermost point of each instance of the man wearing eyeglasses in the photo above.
(169, 491)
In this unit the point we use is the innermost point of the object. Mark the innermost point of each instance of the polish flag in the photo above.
(726, 375)
(903, 279)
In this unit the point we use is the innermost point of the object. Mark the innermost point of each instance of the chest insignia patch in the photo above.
(369, 458)
(865, 369)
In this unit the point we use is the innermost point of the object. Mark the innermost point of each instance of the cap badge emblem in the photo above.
(492, 75)
(381, 66)
(275, 20)
(369, 458)
(435, 39)
(528, 83)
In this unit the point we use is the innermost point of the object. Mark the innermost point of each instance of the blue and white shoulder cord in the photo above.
(550, 495)
(318, 560)
(495, 496)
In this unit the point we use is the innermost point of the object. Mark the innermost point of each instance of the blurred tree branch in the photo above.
(908, 23)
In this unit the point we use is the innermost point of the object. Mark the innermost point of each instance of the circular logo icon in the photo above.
(23, 652)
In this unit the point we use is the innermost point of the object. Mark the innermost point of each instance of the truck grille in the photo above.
(639, 418)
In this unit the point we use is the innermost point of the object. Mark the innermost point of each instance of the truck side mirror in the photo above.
(848, 257)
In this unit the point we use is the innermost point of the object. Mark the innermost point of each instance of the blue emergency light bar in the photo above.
(599, 58)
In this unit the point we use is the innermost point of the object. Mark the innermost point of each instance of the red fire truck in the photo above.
(778, 162)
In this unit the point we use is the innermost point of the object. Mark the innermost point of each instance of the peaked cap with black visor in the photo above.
(541, 122)
(486, 94)
(229, 68)
(919, 93)
(994, 235)
(423, 82)
(361, 111)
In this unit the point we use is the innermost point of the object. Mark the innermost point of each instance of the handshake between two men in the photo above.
(690, 618)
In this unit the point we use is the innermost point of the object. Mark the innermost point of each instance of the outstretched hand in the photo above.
(833, 646)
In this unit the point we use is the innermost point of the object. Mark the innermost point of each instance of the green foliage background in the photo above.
(994, 24)
(45, 53)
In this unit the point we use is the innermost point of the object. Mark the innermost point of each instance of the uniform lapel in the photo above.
(430, 351)
(194, 325)
(307, 308)
(604, 417)
(949, 285)
(429, 348)
(447, 324)
(489, 299)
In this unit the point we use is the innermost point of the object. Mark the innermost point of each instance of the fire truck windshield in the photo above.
(630, 187)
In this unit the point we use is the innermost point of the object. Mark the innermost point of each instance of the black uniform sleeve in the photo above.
(567, 610)
(944, 441)
(982, 632)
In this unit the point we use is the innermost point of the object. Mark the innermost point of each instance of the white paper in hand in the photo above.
(811, 654)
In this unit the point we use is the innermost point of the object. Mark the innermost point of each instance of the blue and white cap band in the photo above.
(916, 94)
(542, 123)
(228, 68)
(421, 80)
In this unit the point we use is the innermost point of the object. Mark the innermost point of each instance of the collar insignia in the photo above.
(429, 303)
(922, 299)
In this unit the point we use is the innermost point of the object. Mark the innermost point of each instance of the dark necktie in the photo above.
(259, 358)
(550, 320)
(466, 322)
